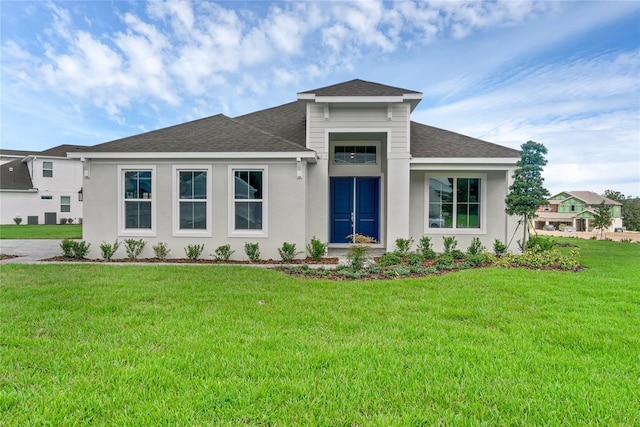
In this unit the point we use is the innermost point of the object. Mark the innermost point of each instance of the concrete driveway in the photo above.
(29, 251)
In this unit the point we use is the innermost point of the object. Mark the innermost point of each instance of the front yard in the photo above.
(66, 231)
(229, 345)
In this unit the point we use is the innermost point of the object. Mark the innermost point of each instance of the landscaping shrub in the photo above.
(252, 250)
(134, 247)
(403, 246)
(108, 250)
(390, 258)
(161, 250)
(80, 249)
(499, 248)
(223, 253)
(450, 243)
(288, 251)
(72, 249)
(475, 248)
(543, 243)
(357, 256)
(63, 221)
(17, 220)
(67, 246)
(194, 252)
(414, 259)
(424, 247)
(316, 249)
(444, 261)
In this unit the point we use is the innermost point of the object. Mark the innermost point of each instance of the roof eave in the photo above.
(463, 163)
(308, 156)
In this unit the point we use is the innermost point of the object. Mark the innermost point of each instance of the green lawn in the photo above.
(73, 231)
(229, 345)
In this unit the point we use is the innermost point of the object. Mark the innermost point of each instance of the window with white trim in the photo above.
(454, 202)
(138, 199)
(248, 196)
(192, 200)
(47, 169)
(65, 203)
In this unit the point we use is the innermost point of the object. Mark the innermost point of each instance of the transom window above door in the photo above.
(355, 154)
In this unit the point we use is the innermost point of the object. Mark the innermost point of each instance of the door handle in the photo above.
(353, 217)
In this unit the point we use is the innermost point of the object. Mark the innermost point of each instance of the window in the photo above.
(191, 200)
(47, 169)
(137, 208)
(248, 188)
(358, 154)
(65, 204)
(454, 203)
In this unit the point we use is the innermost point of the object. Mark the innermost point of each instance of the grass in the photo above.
(72, 231)
(225, 345)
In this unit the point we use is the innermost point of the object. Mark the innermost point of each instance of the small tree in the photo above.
(602, 218)
(527, 191)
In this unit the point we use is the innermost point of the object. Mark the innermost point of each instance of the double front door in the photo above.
(355, 208)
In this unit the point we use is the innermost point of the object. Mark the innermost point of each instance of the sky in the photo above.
(565, 74)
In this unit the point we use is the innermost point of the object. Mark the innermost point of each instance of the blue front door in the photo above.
(355, 207)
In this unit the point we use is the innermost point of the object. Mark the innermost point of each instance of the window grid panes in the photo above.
(137, 194)
(193, 200)
(355, 154)
(47, 169)
(454, 209)
(65, 203)
(248, 199)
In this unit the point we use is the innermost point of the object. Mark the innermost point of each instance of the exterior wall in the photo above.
(498, 225)
(357, 118)
(66, 181)
(324, 124)
(285, 209)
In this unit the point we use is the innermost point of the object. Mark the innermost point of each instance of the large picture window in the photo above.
(138, 197)
(454, 202)
(192, 196)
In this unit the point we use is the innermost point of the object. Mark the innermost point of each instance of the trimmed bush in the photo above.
(223, 253)
(108, 250)
(194, 252)
(253, 251)
(288, 251)
(316, 249)
(134, 247)
(161, 250)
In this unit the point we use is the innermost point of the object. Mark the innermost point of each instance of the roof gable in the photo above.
(15, 175)
(357, 87)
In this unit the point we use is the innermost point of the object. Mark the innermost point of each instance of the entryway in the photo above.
(354, 208)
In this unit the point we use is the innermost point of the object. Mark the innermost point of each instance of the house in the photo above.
(339, 160)
(40, 187)
(576, 209)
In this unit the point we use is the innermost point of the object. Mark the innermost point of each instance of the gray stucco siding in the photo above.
(284, 208)
(497, 224)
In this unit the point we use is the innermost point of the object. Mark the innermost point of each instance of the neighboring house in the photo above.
(339, 160)
(40, 187)
(576, 209)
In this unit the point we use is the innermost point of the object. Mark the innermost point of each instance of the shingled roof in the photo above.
(428, 141)
(359, 87)
(591, 198)
(283, 129)
(213, 134)
(15, 176)
(61, 150)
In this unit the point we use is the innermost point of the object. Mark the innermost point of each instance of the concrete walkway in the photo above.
(29, 251)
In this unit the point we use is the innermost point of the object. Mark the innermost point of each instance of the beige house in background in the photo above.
(338, 160)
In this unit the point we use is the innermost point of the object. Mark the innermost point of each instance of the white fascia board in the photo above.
(11, 190)
(306, 96)
(309, 156)
(463, 163)
(358, 99)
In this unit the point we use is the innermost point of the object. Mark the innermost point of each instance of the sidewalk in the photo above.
(29, 250)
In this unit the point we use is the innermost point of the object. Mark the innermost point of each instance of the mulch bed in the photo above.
(324, 261)
(3, 257)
